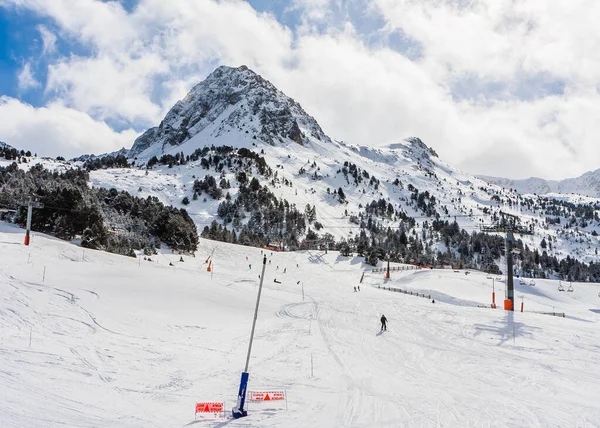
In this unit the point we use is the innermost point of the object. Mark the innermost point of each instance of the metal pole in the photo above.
(28, 227)
(509, 274)
(262, 277)
(238, 411)
(302, 290)
(387, 274)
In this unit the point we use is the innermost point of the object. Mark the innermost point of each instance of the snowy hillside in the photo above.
(236, 107)
(139, 342)
(352, 191)
(587, 184)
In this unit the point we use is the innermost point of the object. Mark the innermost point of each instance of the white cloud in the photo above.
(117, 88)
(314, 10)
(57, 130)
(152, 49)
(25, 78)
(48, 40)
(502, 39)
(144, 60)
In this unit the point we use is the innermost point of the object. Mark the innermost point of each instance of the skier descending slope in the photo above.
(383, 323)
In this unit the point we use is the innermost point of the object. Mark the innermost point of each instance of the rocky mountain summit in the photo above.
(232, 99)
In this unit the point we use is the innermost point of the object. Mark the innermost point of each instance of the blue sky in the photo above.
(496, 88)
(20, 40)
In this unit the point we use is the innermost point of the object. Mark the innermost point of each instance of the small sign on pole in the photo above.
(269, 396)
(209, 408)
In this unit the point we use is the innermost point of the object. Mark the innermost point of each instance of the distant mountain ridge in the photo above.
(121, 152)
(587, 184)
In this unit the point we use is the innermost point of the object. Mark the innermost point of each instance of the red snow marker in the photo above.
(209, 407)
(267, 396)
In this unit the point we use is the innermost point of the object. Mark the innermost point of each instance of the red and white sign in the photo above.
(209, 407)
(267, 396)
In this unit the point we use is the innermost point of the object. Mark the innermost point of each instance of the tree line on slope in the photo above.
(104, 218)
(437, 243)
(256, 217)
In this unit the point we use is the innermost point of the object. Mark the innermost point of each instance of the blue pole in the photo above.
(238, 411)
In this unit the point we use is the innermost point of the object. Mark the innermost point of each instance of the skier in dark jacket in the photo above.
(383, 323)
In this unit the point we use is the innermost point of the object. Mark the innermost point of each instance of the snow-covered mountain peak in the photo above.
(233, 106)
(412, 150)
(419, 148)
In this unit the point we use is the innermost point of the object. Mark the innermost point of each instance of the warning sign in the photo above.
(267, 396)
(209, 407)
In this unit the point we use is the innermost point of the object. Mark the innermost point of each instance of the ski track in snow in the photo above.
(137, 345)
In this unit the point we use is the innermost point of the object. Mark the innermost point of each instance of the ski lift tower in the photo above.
(509, 224)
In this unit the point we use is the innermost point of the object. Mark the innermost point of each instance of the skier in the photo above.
(284, 270)
(355, 289)
(250, 266)
(359, 288)
(383, 323)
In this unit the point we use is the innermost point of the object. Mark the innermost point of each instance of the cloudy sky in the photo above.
(505, 87)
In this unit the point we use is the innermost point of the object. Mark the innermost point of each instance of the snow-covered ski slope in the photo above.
(110, 341)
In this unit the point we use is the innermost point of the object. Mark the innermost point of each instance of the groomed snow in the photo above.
(111, 341)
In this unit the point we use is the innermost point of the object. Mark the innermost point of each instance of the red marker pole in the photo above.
(28, 227)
